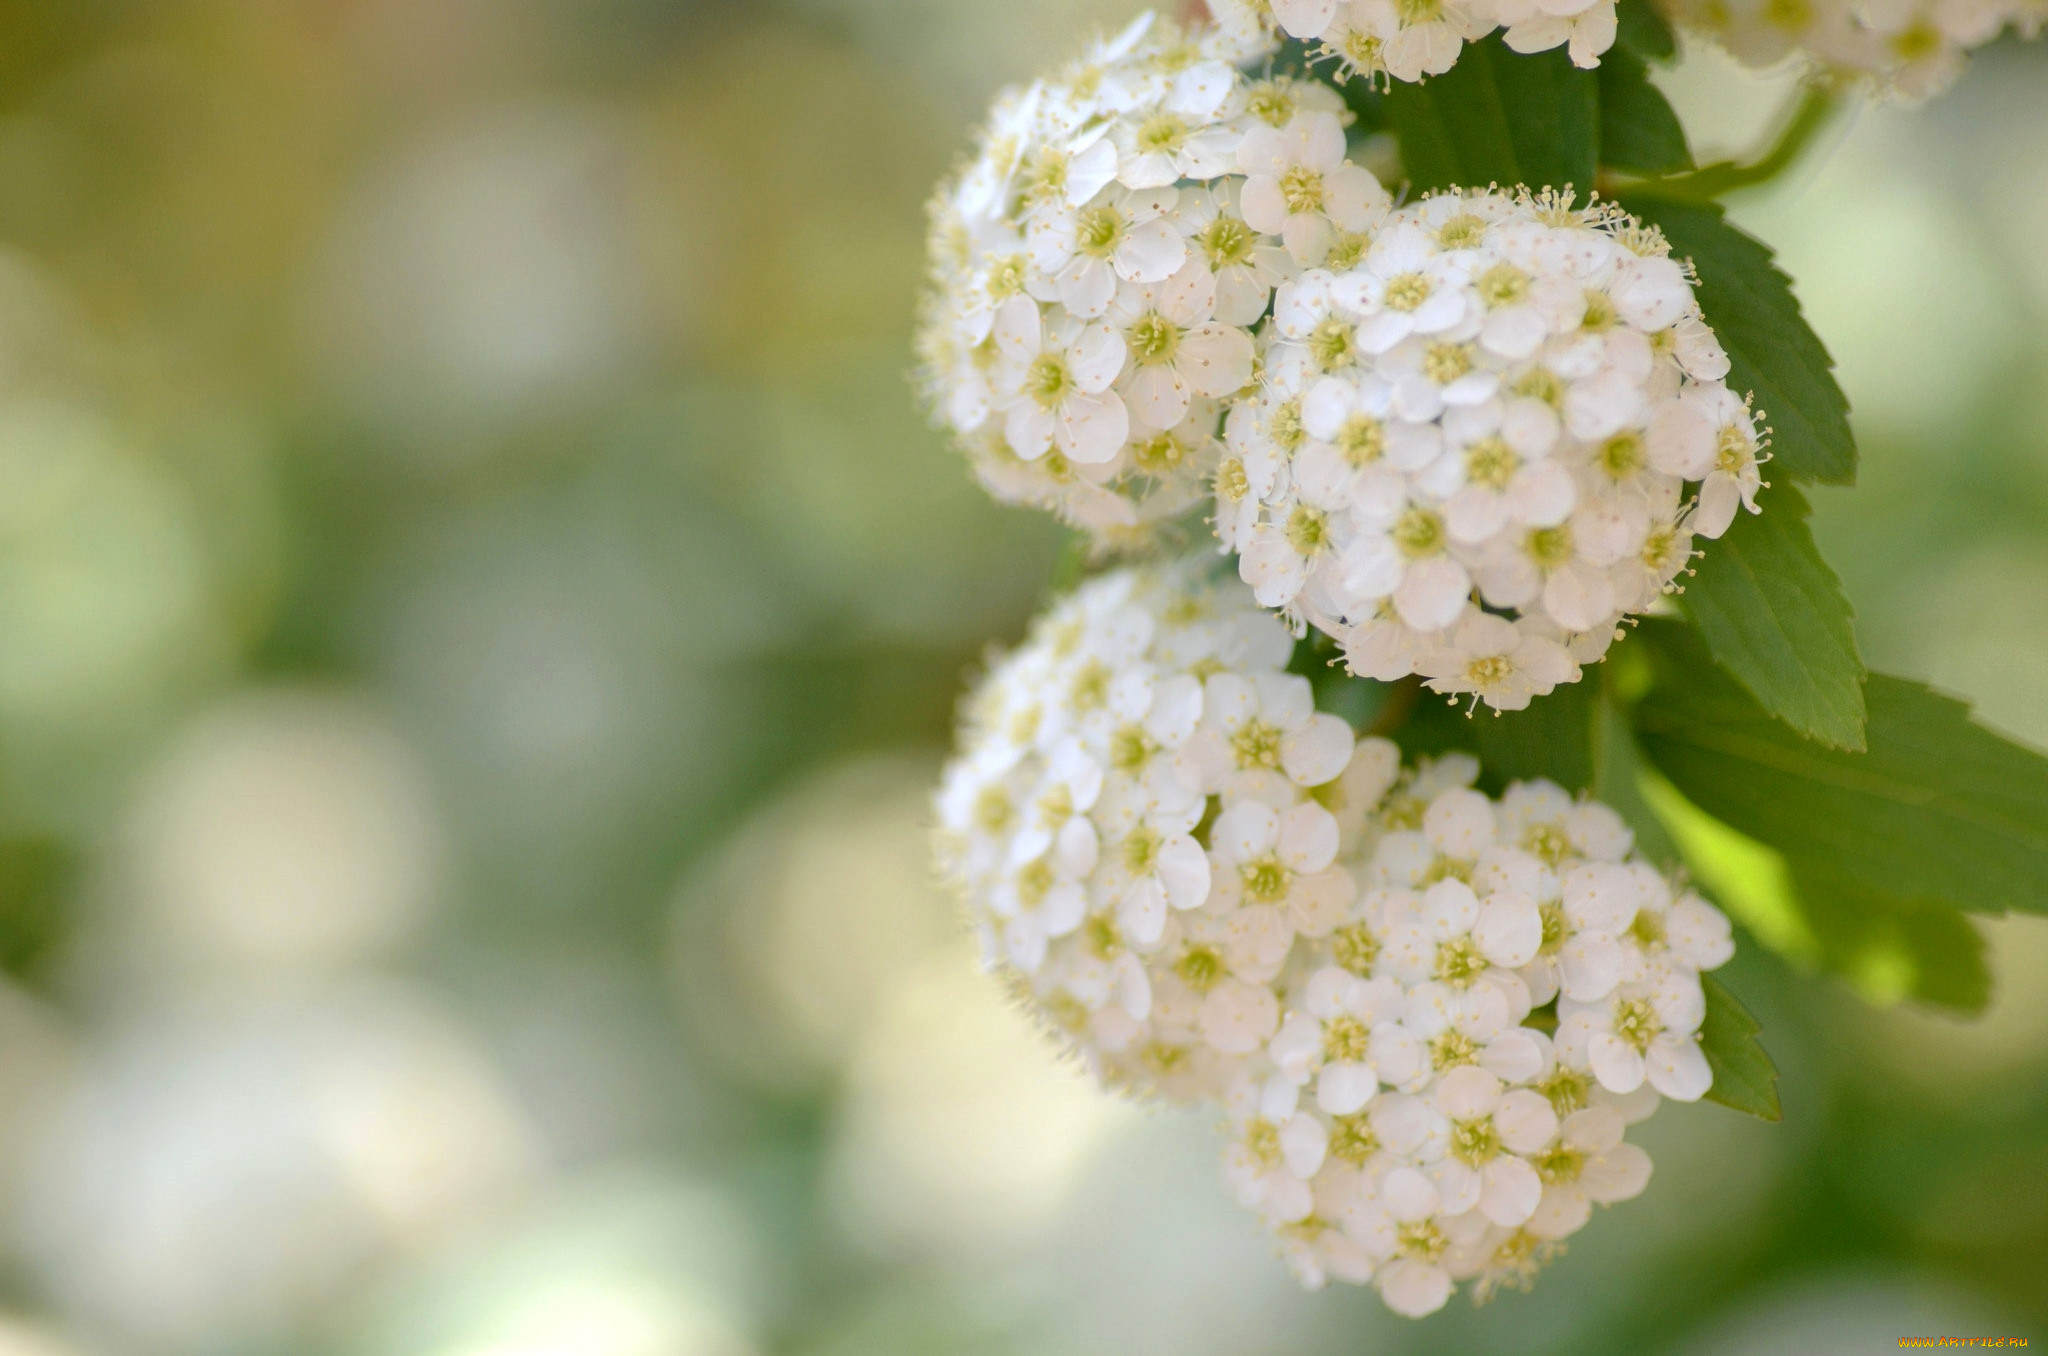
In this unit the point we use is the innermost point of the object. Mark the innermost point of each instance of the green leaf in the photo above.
(1750, 882)
(1619, 785)
(1892, 948)
(1553, 738)
(1773, 354)
(1744, 1077)
(1644, 32)
(1938, 809)
(1499, 118)
(1639, 130)
(1887, 948)
(1773, 614)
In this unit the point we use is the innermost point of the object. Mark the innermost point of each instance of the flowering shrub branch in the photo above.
(1441, 606)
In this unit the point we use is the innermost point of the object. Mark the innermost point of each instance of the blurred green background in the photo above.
(479, 614)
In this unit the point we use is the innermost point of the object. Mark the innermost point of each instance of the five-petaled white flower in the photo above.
(1057, 378)
(1175, 350)
(1299, 186)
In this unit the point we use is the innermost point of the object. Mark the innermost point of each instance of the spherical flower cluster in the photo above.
(1413, 39)
(1415, 1124)
(1143, 818)
(1097, 268)
(1428, 1016)
(1470, 452)
(1909, 49)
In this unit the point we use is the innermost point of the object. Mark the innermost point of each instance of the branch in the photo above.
(1818, 106)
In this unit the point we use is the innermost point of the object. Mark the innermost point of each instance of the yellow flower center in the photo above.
(1491, 463)
(1048, 380)
(1308, 531)
(1622, 456)
(1462, 232)
(1345, 1040)
(1332, 344)
(1153, 340)
(1419, 532)
(1099, 230)
(1475, 1142)
(1452, 1050)
(1352, 1140)
(1444, 363)
(1232, 483)
(1200, 967)
(1422, 1241)
(1488, 670)
(1227, 241)
(1568, 1090)
(1458, 963)
(1162, 132)
(1257, 745)
(1355, 948)
(1265, 879)
(1503, 285)
(1302, 188)
(1551, 547)
(1635, 1021)
(1407, 291)
(1362, 440)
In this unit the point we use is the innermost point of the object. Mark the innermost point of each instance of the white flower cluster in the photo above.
(1501, 403)
(1089, 763)
(1414, 1126)
(1457, 435)
(1097, 268)
(1429, 1016)
(1413, 39)
(1910, 49)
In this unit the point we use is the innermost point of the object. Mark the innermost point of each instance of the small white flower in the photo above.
(1502, 663)
(1491, 1131)
(1709, 435)
(1261, 738)
(1407, 286)
(1419, 37)
(1299, 187)
(1181, 139)
(1643, 1032)
(1123, 234)
(1328, 1042)
(1275, 871)
(1667, 928)
(1247, 265)
(1458, 956)
(1175, 351)
(1057, 382)
(1490, 485)
(1588, 1164)
(1155, 866)
(1553, 568)
(1279, 556)
(1274, 1150)
(1401, 1227)
(1405, 557)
